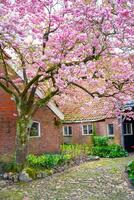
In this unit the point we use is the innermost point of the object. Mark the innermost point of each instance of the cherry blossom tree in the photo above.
(56, 44)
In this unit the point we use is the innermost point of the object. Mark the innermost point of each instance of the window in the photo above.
(87, 129)
(110, 129)
(67, 131)
(128, 129)
(35, 129)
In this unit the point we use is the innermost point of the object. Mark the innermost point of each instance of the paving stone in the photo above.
(95, 180)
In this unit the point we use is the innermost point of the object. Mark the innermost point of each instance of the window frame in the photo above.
(87, 129)
(39, 130)
(130, 128)
(108, 130)
(67, 135)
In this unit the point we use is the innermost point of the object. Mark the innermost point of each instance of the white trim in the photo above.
(51, 105)
(108, 130)
(131, 128)
(56, 110)
(67, 135)
(82, 121)
(87, 129)
(39, 130)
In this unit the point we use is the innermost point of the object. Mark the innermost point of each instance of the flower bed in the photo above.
(48, 164)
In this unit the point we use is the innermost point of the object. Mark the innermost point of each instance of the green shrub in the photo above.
(47, 160)
(31, 172)
(11, 167)
(116, 151)
(130, 166)
(101, 151)
(75, 150)
(110, 151)
(101, 141)
(130, 170)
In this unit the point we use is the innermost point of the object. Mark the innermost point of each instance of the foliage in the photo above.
(47, 160)
(101, 141)
(130, 171)
(109, 151)
(11, 167)
(117, 151)
(32, 172)
(75, 150)
(37, 172)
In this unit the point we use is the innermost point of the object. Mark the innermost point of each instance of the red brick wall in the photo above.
(77, 137)
(7, 124)
(101, 129)
(117, 130)
(50, 134)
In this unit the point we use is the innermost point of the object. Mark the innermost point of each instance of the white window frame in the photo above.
(87, 129)
(108, 130)
(67, 135)
(39, 130)
(131, 128)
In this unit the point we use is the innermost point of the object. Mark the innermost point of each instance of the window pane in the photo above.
(70, 130)
(110, 129)
(128, 128)
(89, 129)
(85, 131)
(34, 131)
(65, 130)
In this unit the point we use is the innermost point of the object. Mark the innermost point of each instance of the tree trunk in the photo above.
(23, 125)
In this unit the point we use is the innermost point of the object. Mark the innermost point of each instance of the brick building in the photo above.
(78, 126)
(45, 134)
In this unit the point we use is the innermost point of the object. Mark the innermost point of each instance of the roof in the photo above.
(83, 109)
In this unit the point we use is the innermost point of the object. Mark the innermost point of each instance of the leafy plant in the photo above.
(11, 167)
(75, 150)
(116, 151)
(110, 151)
(130, 171)
(101, 141)
(47, 160)
(100, 151)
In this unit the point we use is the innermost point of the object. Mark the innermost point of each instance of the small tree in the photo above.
(55, 44)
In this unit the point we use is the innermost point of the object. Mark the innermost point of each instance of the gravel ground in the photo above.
(98, 180)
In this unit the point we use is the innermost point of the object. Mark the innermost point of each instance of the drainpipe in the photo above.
(121, 120)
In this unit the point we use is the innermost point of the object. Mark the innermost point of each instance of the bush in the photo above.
(130, 170)
(101, 141)
(100, 151)
(75, 150)
(11, 167)
(47, 160)
(110, 151)
(117, 151)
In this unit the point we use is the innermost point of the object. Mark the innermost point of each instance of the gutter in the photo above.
(82, 121)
